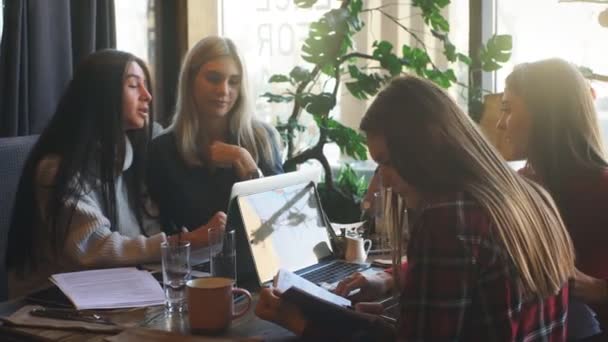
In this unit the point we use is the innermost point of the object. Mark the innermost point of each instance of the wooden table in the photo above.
(248, 327)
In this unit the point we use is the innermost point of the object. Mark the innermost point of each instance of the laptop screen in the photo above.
(285, 229)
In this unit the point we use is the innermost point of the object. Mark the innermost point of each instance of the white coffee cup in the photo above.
(357, 249)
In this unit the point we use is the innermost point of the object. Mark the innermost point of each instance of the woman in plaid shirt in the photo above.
(489, 257)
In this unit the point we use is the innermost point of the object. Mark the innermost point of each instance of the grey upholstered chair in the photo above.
(13, 153)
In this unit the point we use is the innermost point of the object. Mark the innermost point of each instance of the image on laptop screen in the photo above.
(285, 229)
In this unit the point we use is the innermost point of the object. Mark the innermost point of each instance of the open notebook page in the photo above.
(286, 279)
(110, 288)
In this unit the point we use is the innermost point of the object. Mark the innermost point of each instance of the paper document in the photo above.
(286, 279)
(110, 288)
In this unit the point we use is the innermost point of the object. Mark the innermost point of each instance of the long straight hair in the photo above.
(435, 147)
(188, 124)
(565, 137)
(86, 134)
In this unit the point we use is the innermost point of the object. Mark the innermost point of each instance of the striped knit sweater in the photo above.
(90, 243)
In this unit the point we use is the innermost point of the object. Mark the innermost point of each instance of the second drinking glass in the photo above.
(222, 253)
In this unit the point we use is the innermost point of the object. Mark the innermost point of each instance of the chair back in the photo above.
(13, 153)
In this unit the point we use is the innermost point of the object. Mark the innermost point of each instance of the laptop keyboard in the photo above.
(333, 272)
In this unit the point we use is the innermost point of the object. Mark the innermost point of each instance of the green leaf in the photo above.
(304, 3)
(278, 78)
(277, 98)
(490, 66)
(355, 7)
(364, 85)
(299, 74)
(449, 50)
(416, 59)
(464, 58)
(319, 104)
(503, 42)
(287, 129)
(431, 13)
(351, 183)
(438, 22)
(328, 38)
(388, 60)
(350, 141)
(382, 47)
(355, 23)
(441, 78)
(502, 57)
(497, 50)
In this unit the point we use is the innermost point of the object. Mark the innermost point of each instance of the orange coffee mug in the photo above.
(211, 306)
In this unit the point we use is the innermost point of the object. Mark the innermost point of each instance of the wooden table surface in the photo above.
(248, 327)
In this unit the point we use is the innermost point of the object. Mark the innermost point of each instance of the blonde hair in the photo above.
(565, 136)
(436, 148)
(191, 137)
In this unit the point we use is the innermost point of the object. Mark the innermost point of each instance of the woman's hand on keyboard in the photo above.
(371, 286)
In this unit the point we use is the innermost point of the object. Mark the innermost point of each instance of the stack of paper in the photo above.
(110, 288)
(286, 279)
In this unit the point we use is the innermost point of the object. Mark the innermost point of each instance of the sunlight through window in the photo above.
(546, 28)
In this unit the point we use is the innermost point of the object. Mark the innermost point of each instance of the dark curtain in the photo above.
(42, 43)
(169, 47)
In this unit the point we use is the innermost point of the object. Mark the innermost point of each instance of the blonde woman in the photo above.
(213, 142)
(489, 258)
(549, 116)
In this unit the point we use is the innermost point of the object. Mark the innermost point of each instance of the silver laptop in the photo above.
(285, 227)
(200, 257)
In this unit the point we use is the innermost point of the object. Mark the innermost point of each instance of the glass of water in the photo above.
(222, 252)
(176, 272)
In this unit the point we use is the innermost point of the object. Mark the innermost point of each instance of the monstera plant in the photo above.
(334, 62)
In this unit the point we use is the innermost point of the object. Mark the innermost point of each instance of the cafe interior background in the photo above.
(271, 33)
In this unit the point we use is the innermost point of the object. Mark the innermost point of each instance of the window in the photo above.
(547, 28)
(269, 35)
(135, 28)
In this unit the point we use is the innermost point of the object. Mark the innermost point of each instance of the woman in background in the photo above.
(81, 201)
(213, 142)
(549, 118)
(488, 256)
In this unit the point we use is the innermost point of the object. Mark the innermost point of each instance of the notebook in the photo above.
(284, 280)
(285, 228)
(110, 288)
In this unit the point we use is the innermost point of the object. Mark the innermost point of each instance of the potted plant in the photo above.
(334, 62)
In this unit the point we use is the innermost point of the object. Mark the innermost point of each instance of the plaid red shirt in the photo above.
(461, 286)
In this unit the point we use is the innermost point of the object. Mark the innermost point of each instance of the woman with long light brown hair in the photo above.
(213, 142)
(549, 116)
(488, 255)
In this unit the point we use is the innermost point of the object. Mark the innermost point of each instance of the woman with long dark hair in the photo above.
(81, 200)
